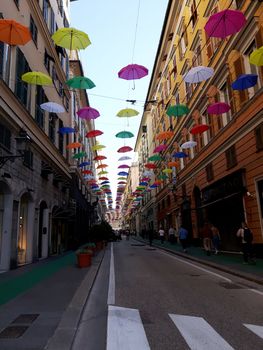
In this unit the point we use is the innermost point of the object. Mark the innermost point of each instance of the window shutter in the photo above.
(239, 69)
(259, 42)
(230, 94)
(259, 137)
(209, 50)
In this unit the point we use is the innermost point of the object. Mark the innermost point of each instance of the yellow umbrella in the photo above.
(71, 38)
(128, 112)
(256, 57)
(36, 78)
(167, 171)
(97, 147)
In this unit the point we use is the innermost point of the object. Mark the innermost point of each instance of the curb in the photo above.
(65, 332)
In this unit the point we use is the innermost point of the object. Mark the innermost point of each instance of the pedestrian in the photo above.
(161, 234)
(183, 234)
(171, 235)
(206, 235)
(246, 239)
(215, 237)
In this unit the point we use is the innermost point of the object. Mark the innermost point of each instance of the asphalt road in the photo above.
(164, 302)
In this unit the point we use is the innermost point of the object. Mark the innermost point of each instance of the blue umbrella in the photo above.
(180, 155)
(153, 186)
(105, 182)
(66, 130)
(143, 183)
(123, 173)
(245, 81)
(81, 165)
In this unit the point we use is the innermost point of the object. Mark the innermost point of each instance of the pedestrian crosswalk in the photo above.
(126, 331)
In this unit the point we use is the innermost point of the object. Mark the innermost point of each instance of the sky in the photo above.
(121, 32)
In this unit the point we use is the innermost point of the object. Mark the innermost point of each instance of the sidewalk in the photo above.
(229, 262)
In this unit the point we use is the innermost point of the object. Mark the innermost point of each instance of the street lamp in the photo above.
(21, 142)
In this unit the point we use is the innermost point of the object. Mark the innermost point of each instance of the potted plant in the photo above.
(84, 257)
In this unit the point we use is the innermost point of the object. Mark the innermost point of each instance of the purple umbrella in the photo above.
(123, 166)
(160, 148)
(88, 113)
(132, 72)
(218, 108)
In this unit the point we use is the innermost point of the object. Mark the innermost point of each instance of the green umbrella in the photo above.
(177, 110)
(79, 155)
(80, 83)
(124, 134)
(155, 158)
(162, 177)
(122, 178)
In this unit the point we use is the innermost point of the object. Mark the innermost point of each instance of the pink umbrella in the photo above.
(124, 149)
(225, 23)
(123, 166)
(88, 113)
(218, 108)
(132, 72)
(160, 148)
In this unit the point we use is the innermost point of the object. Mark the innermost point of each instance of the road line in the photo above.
(125, 330)
(256, 291)
(198, 334)
(197, 267)
(111, 290)
(258, 330)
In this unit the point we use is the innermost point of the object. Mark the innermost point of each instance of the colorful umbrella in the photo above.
(173, 164)
(225, 23)
(122, 183)
(124, 134)
(179, 155)
(164, 135)
(124, 158)
(99, 158)
(199, 129)
(160, 148)
(66, 130)
(163, 177)
(127, 113)
(123, 173)
(74, 145)
(87, 172)
(124, 149)
(245, 81)
(150, 166)
(71, 38)
(105, 182)
(198, 74)
(94, 133)
(36, 78)
(88, 113)
(103, 178)
(177, 110)
(83, 164)
(167, 171)
(14, 33)
(52, 107)
(256, 57)
(188, 144)
(97, 147)
(80, 83)
(155, 158)
(101, 166)
(121, 178)
(132, 72)
(123, 166)
(103, 172)
(218, 108)
(79, 155)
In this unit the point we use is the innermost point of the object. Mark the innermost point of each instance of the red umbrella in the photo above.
(122, 183)
(88, 113)
(150, 166)
(160, 148)
(218, 108)
(99, 158)
(123, 166)
(124, 149)
(87, 172)
(103, 178)
(132, 72)
(198, 129)
(94, 133)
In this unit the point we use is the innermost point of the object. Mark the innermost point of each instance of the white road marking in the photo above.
(111, 290)
(256, 291)
(258, 330)
(125, 330)
(197, 267)
(198, 334)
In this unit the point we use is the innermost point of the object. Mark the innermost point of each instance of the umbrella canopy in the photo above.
(218, 108)
(122, 178)
(199, 129)
(198, 74)
(105, 182)
(132, 72)
(256, 57)
(150, 166)
(165, 135)
(123, 166)
(188, 144)
(87, 172)
(14, 33)
(155, 158)
(74, 145)
(124, 134)
(124, 149)
(80, 83)
(179, 155)
(163, 177)
(103, 178)
(37, 78)
(123, 173)
(160, 148)
(124, 158)
(97, 147)
(101, 166)
(79, 155)
(83, 164)
(173, 164)
(177, 110)
(66, 130)
(71, 38)
(99, 158)
(103, 172)
(245, 81)
(225, 23)
(94, 133)
(88, 113)
(127, 113)
(52, 107)
(167, 171)
(122, 183)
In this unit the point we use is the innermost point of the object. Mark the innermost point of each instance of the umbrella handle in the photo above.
(133, 88)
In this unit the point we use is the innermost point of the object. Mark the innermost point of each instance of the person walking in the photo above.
(215, 237)
(246, 239)
(206, 234)
(171, 235)
(161, 234)
(183, 234)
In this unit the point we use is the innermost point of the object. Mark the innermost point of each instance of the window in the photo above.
(238, 4)
(33, 30)
(240, 69)
(60, 138)
(252, 69)
(259, 137)
(183, 40)
(4, 61)
(212, 44)
(21, 88)
(17, 3)
(52, 25)
(52, 127)
(193, 13)
(231, 159)
(28, 159)
(39, 113)
(5, 136)
(209, 172)
(46, 7)
(224, 92)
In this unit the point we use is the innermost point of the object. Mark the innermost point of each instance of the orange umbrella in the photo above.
(172, 164)
(13, 33)
(99, 158)
(164, 135)
(73, 145)
(102, 166)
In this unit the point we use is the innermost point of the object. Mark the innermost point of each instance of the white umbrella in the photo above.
(188, 144)
(198, 74)
(124, 158)
(52, 107)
